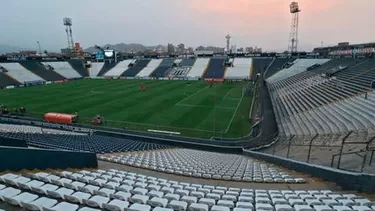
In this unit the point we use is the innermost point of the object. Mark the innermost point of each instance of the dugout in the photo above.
(61, 118)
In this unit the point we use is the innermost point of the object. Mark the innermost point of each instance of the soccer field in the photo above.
(191, 108)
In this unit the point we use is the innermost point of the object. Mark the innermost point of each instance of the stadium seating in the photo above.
(362, 73)
(215, 69)
(310, 103)
(138, 66)
(183, 66)
(6, 80)
(198, 68)
(119, 190)
(203, 164)
(151, 66)
(79, 66)
(260, 65)
(164, 66)
(240, 69)
(88, 143)
(95, 69)
(299, 65)
(119, 68)
(40, 70)
(64, 69)
(276, 65)
(19, 73)
(33, 129)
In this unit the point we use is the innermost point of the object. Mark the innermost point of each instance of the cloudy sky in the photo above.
(263, 23)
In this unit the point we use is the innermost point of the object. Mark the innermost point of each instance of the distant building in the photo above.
(170, 48)
(253, 50)
(181, 48)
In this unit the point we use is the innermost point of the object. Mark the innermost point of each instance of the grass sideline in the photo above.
(191, 108)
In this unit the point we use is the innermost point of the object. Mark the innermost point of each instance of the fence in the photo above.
(351, 151)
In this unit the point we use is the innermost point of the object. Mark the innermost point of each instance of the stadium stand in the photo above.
(6, 80)
(96, 69)
(181, 69)
(20, 73)
(276, 66)
(151, 66)
(63, 68)
(299, 65)
(311, 103)
(240, 69)
(260, 65)
(79, 66)
(33, 129)
(215, 69)
(204, 164)
(164, 66)
(198, 68)
(87, 143)
(138, 66)
(114, 189)
(40, 70)
(119, 68)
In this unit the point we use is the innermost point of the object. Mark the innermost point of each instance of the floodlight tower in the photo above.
(68, 29)
(293, 36)
(228, 42)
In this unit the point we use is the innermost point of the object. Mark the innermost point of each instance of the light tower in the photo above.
(68, 29)
(228, 42)
(293, 37)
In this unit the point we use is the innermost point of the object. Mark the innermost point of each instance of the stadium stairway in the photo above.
(138, 66)
(20, 73)
(39, 69)
(79, 66)
(182, 68)
(164, 66)
(215, 69)
(106, 68)
(6, 80)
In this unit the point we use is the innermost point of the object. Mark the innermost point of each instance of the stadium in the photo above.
(199, 131)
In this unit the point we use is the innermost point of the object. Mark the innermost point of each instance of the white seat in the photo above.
(116, 205)
(39, 204)
(323, 208)
(104, 192)
(23, 197)
(157, 202)
(63, 206)
(162, 209)
(283, 207)
(197, 194)
(241, 209)
(28, 185)
(225, 203)
(16, 180)
(139, 191)
(362, 208)
(59, 193)
(154, 193)
(178, 205)
(365, 202)
(88, 209)
(198, 207)
(303, 208)
(43, 189)
(139, 207)
(8, 176)
(125, 188)
(77, 197)
(189, 199)
(213, 196)
(89, 189)
(120, 195)
(246, 205)
(140, 199)
(9, 192)
(96, 201)
(342, 208)
(209, 202)
(260, 206)
(245, 199)
(220, 208)
(229, 198)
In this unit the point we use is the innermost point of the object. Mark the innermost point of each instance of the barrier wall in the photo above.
(16, 159)
(347, 180)
(12, 142)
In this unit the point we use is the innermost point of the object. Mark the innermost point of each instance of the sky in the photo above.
(262, 23)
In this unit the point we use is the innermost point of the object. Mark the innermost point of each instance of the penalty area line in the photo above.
(179, 102)
(235, 112)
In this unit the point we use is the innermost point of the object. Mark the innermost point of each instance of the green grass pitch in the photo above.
(192, 108)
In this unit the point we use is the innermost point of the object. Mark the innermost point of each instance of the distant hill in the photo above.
(8, 49)
(122, 47)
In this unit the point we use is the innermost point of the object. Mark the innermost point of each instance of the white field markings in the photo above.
(235, 112)
(195, 93)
